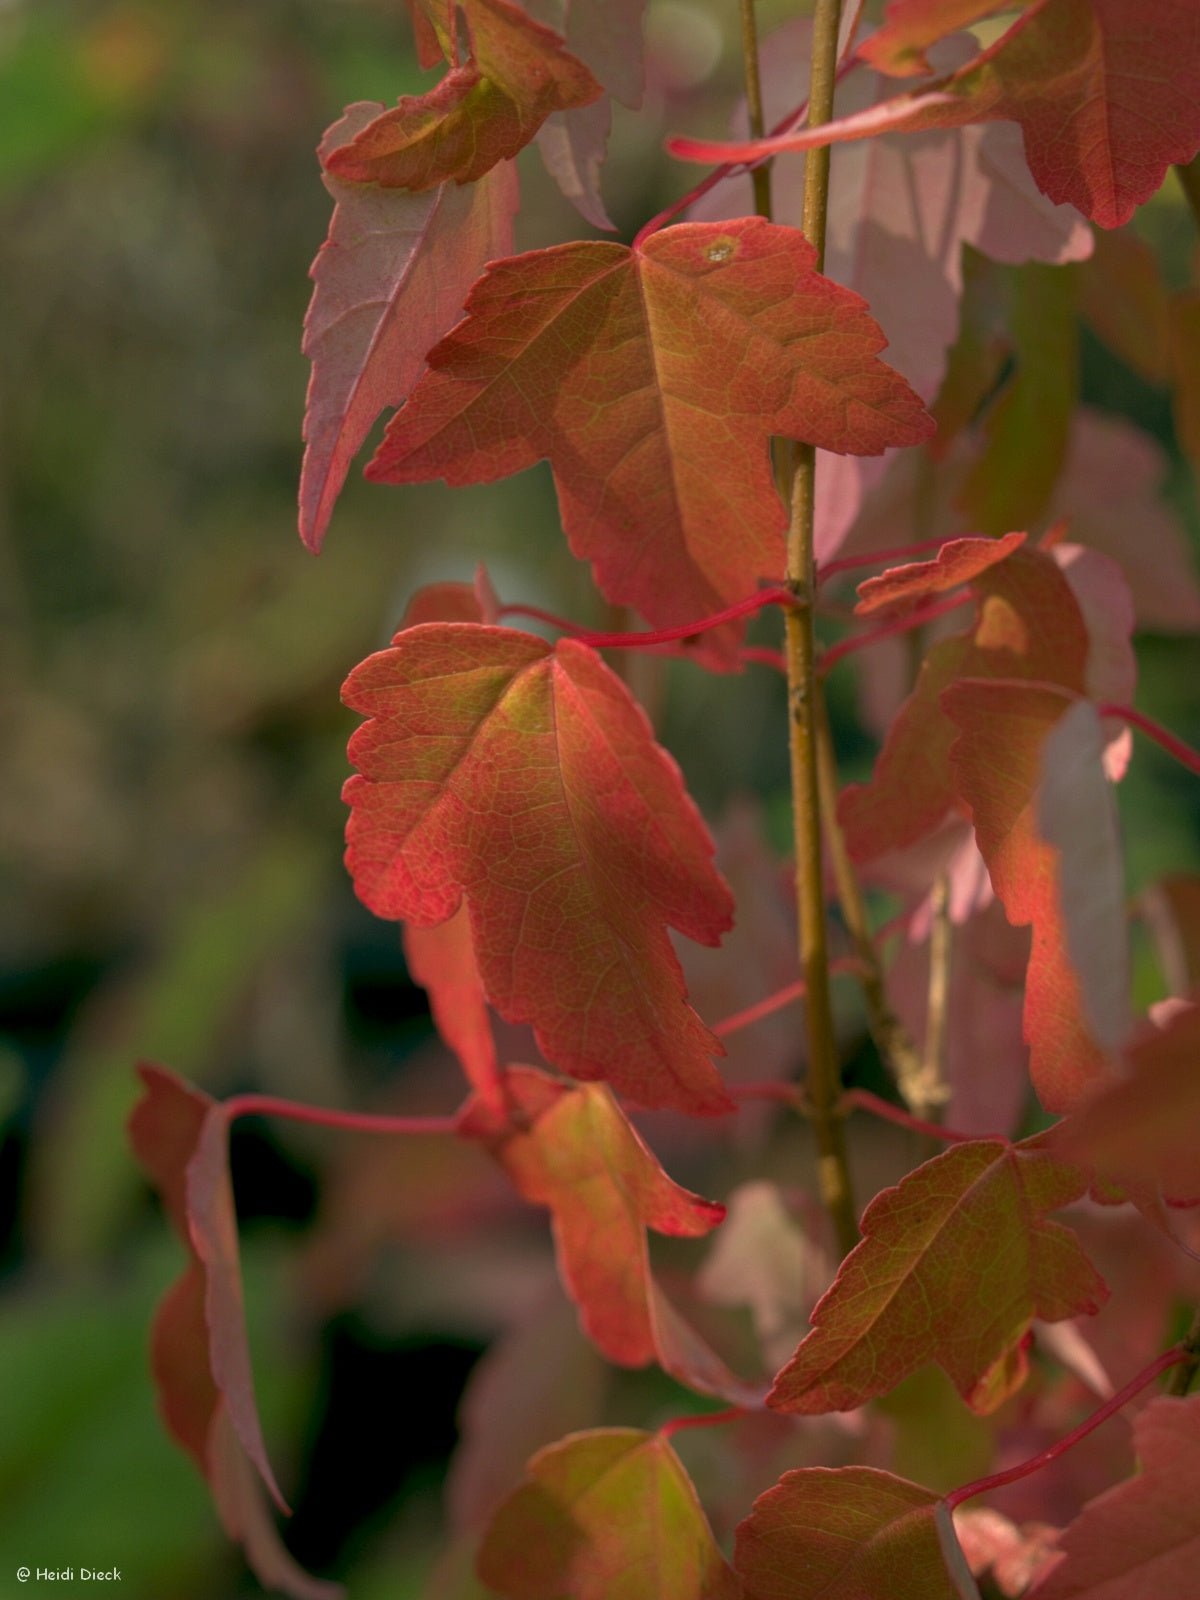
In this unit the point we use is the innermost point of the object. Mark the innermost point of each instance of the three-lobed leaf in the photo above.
(526, 779)
(954, 1264)
(634, 372)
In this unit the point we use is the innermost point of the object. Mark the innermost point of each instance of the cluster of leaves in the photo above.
(512, 807)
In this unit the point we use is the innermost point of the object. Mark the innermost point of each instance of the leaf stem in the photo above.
(876, 558)
(864, 1100)
(824, 1074)
(764, 657)
(758, 601)
(1111, 1406)
(1183, 753)
(843, 966)
(702, 1419)
(915, 619)
(265, 1105)
(891, 1038)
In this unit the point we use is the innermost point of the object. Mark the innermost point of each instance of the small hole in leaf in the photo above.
(719, 250)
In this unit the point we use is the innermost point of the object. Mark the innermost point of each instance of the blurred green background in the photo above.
(170, 826)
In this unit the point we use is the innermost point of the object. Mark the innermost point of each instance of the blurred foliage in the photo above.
(170, 823)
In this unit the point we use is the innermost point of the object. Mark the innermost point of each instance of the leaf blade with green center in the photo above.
(953, 1266)
(606, 1515)
(850, 1533)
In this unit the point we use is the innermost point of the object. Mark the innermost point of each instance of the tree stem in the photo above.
(824, 1075)
(760, 177)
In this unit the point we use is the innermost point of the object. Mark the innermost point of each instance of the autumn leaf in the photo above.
(634, 371)
(442, 958)
(1111, 494)
(1029, 625)
(605, 1515)
(482, 112)
(902, 209)
(1141, 1130)
(765, 1260)
(1077, 816)
(957, 562)
(199, 1355)
(997, 763)
(953, 1266)
(389, 280)
(1143, 1536)
(1033, 625)
(607, 38)
(1107, 93)
(911, 26)
(1012, 1556)
(545, 801)
(540, 1379)
(850, 1533)
(572, 1150)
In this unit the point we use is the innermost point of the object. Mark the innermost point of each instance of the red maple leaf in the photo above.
(1107, 93)
(572, 1149)
(997, 761)
(957, 562)
(1142, 1537)
(1141, 1130)
(199, 1354)
(389, 280)
(543, 799)
(911, 26)
(633, 371)
(482, 112)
